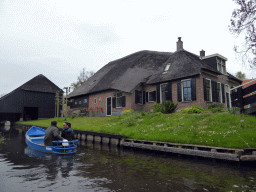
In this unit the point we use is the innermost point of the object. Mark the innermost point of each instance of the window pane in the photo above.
(184, 84)
(186, 90)
(188, 84)
(207, 83)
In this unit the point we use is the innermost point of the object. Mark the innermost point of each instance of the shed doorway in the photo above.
(30, 113)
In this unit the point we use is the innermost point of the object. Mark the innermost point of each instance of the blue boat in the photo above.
(35, 139)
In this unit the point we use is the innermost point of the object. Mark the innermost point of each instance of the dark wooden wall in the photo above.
(18, 99)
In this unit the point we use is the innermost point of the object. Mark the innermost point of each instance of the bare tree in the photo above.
(243, 22)
(84, 75)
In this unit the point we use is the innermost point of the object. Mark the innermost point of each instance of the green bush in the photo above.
(216, 107)
(164, 107)
(192, 109)
(73, 116)
(233, 110)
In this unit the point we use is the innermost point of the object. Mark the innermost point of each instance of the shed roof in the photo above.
(39, 83)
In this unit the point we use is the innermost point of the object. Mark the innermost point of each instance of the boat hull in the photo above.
(35, 140)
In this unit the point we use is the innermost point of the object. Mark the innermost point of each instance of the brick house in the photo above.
(141, 79)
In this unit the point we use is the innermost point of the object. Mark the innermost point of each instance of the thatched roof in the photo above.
(145, 66)
(40, 84)
(182, 64)
(123, 74)
(230, 76)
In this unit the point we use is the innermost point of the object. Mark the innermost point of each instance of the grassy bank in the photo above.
(213, 129)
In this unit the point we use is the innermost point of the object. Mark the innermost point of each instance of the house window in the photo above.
(166, 68)
(186, 90)
(75, 103)
(95, 101)
(163, 92)
(119, 100)
(139, 97)
(221, 66)
(85, 100)
(208, 90)
(151, 96)
(219, 94)
(80, 102)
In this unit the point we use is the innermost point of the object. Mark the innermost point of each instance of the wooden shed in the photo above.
(33, 100)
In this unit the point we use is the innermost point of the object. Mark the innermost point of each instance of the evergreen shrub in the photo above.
(192, 109)
(164, 107)
(216, 107)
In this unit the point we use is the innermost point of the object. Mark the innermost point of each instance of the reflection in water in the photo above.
(109, 168)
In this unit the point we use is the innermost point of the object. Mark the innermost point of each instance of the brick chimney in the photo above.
(202, 53)
(179, 44)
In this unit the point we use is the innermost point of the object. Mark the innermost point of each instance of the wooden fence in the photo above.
(243, 97)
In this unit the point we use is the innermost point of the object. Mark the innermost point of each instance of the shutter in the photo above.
(205, 93)
(169, 93)
(136, 97)
(179, 91)
(158, 93)
(154, 95)
(193, 89)
(123, 101)
(213, 91)
(146, 96)
(223, 93)
(114, 102)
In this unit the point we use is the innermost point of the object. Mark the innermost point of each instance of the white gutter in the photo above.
(242, 85)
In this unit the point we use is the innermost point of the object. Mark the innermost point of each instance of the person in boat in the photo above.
(67, 132)
(52, 134)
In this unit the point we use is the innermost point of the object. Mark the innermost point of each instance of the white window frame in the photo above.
(80, 102)
(148, 97)
(76, 103)
(118, 107)
(167, 67)
(85, 101)
(228, 91)
(161, 91)
(220, 92)
(182, 94)
(95, 101)
(210, 89)
(221, 65)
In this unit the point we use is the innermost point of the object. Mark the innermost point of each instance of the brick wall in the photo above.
(99, 109)
(101, 103)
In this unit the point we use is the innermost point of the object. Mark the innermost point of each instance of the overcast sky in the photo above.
(60, 38)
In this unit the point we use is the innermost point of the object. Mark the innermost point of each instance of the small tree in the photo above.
(84, 75)
(240, 75)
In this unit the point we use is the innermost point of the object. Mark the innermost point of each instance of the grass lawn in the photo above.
(213, 129)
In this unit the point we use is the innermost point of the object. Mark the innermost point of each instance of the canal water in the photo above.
(98, 167)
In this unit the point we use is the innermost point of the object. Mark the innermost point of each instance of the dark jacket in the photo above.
(68, 133)
(51, 134)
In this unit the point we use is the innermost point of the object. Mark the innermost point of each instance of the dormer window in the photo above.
(221, 66)
(166, 68)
